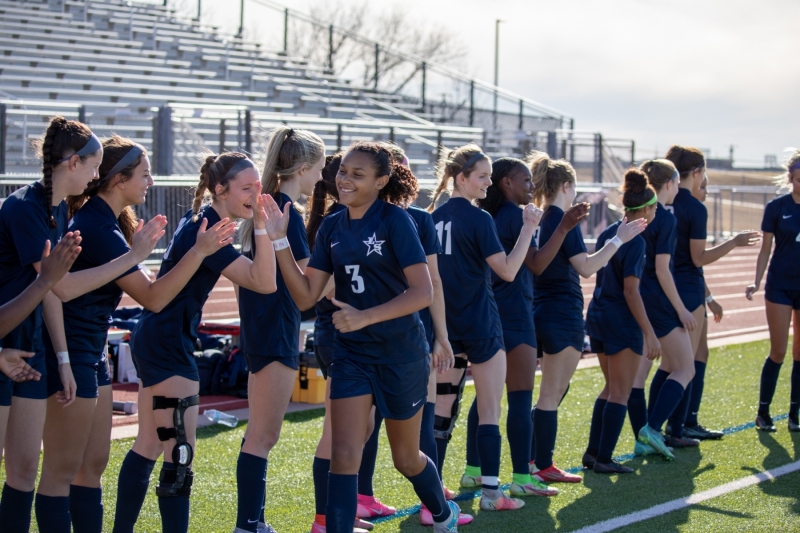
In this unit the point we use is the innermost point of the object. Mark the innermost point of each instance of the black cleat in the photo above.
(588, 461)
(765, 423)
(702, 433)
(793, 424)
(681, 442)
(611, 468)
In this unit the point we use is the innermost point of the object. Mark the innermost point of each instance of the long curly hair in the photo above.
(402, 187)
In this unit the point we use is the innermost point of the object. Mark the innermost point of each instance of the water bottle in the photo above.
(218, 417)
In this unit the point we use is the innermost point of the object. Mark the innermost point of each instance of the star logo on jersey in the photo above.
(373, 245)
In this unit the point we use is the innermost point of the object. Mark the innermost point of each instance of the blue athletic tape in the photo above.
(466, 496)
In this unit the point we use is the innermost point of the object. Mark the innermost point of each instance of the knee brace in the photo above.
(443, 426)
(179, 481)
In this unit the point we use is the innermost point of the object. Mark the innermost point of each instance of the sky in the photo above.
(707, 73)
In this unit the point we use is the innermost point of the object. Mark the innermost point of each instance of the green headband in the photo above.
(652, 200)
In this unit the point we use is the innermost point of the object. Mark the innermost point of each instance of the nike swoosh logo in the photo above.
(787, 216)
(252, 521)
(334, 244)
(415, 403)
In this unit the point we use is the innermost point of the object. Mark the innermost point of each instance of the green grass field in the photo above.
(730, 397)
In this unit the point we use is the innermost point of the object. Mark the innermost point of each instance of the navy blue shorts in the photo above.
(663, 320)
(256, 363)
(781, 297)
(88, 377)
(478, 350)
(152, 373)
(607, 348)
(324, 357)
(513, 338)
(553, 340)
(398, 390)
(692, 297)
(35, 390)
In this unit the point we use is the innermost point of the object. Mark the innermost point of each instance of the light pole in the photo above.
(496, 66)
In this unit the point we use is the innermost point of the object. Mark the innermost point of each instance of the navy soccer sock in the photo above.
(698, 384)
(174, 509)
(637, 410)
(769, 380)
(86, 509)
(668, 399)
(340, 514)
(320, 470)
(368, 458)
(533, 436)
(429, 489)
(519, 429)
(794, 397)
(441, 453)
(427, 443)
(134, 478)
(659, 379)
(545, 425)
(15, 510)
(52, 514)
(473, 458)
(678, 417)
(613, 419)
(489, 444)
(251, 483)
(596, 427)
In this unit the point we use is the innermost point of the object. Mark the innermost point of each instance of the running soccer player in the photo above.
(380, 351)
(163, 342)
(618, 327)
(781, 223)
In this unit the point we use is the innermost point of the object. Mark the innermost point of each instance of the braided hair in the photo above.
(501, 168)
(213, 172)
(326, 195)
(62, 138)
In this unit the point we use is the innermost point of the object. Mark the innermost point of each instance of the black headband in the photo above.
(238, 167)
(91, 146)
(135, 151)
(472, 160)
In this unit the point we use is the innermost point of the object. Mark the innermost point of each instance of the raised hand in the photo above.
(748, 238)
(531, 215)
(629, 230)
(277, 221)
(219, 236)
(13, 365)
(348, 318)
(575, 215)
(55, 265)
(147, 236)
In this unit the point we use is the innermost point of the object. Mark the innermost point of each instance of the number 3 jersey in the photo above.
(467, 236)
(782, 218)
(367, 257)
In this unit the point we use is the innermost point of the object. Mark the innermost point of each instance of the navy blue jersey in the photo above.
(692, 218)
(174, 329)
(24, 228)
(782, 218)
(515, 299)
(270, 323)
(660, 237)
(430, 245)
(366, 258)
(87, 317)
(323, 327)
(608, 305)
(468, 237)
(558, 298)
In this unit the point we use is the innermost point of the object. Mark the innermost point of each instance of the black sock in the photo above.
(533, 436)
(794, 397)
(545, 425)
(251, 484)
(134, 478)
(427, 443)
(441, 453)
(86, 509)
(637, 411)
(15, 510)
(678, 416)
(473, 458)
(596, 427)
(769, 380)
(368, 458)
(174, 509)
(655, 388)
(52, 513)
(340, 514)
(698, 383)
(519, 429)
(429, 489)
(320, 469)
(668, 399)
(613, 420)
(489, 444)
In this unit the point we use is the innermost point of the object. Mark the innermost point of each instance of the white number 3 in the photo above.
(358, 281)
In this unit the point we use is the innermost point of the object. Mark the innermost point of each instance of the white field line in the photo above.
(680, 503)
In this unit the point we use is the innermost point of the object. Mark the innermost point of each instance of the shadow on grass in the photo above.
(779, 456)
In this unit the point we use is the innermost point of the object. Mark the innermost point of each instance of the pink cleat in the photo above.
(426, 519)
(553, 474)
(371, 507)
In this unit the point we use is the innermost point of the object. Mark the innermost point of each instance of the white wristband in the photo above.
(616, 241)
(710, 298)
(280, 244)
(257, 231)
(63, 358)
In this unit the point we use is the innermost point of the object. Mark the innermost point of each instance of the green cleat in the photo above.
(655, 440)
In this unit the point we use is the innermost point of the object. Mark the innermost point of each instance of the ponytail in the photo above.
(548, 176)
(216, 170)
(659, 172)
(318, 206)
(451, 164)
(685, 159)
